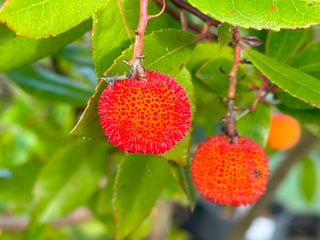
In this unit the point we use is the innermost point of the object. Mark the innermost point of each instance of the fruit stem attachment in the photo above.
(137, 67)
(229, 119)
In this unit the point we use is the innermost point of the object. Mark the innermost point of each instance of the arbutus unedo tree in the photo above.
(174, 100)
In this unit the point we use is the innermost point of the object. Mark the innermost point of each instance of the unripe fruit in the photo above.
(284, 131)
(145, 116)
(226, 173)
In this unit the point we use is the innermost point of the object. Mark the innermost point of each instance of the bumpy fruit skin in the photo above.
(145, 117)
(284, 132)
(226, 173)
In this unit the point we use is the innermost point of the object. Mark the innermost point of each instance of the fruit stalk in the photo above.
(137, 67)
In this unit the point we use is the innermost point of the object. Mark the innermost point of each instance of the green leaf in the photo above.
(262, 14)
(308, 179)
(108, 45)
(291, 80)
(306, 61)
(47, 18)
(77, 54)
(208, 51)
(49, 85)
(16, 51)
(285, 44)
(291, 102)
(203, 53)
(69, 179)
(101, 205)
(18, 187)
(208, 115)
(224, 34)
(174, 47)
(139, 182)
(210, 74)
(183, 177)
(255, 125)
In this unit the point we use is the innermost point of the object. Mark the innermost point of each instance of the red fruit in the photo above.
(226, 173)
(145, 117)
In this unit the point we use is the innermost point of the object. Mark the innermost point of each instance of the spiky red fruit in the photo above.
(145, 117)
(226, 173)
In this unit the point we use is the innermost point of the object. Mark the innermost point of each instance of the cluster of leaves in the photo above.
(53, 173)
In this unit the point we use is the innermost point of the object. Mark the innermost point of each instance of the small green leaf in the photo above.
(255, 125)
(47, 18)
(69, 179)
(224, 34)
(139, 182)
(174, 47)
(285, 44)
(291, 80)
(183, 177)
(16, 51)
(49, 85)
(308, 179)
(272, 15)
(306, 61)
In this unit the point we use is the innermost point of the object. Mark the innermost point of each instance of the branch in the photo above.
(293, 156)
(137, 67)
(236, 62)
(196, 12)
(230, 120)
(189, 24)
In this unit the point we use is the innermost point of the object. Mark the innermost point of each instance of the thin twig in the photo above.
(176, 16)
(137, 68)
(183, 19)
(235, 66)
(264, 87)
(230, 120)
(195, 11)
(293, 156)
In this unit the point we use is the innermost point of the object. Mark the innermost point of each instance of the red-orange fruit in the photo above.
(284, 131)
(145, 116)
(226, 173)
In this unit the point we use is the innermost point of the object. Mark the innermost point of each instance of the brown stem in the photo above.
(195, 11)
(139, 33)
(137, 67)
(189, 24)
(206, 31)
(293, 156)
(230, 121)
(237, 59)
(264, 87)
(183, 19)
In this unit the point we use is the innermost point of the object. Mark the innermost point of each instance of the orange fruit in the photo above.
(284, 132)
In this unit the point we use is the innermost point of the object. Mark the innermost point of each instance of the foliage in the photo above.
(50, 63)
